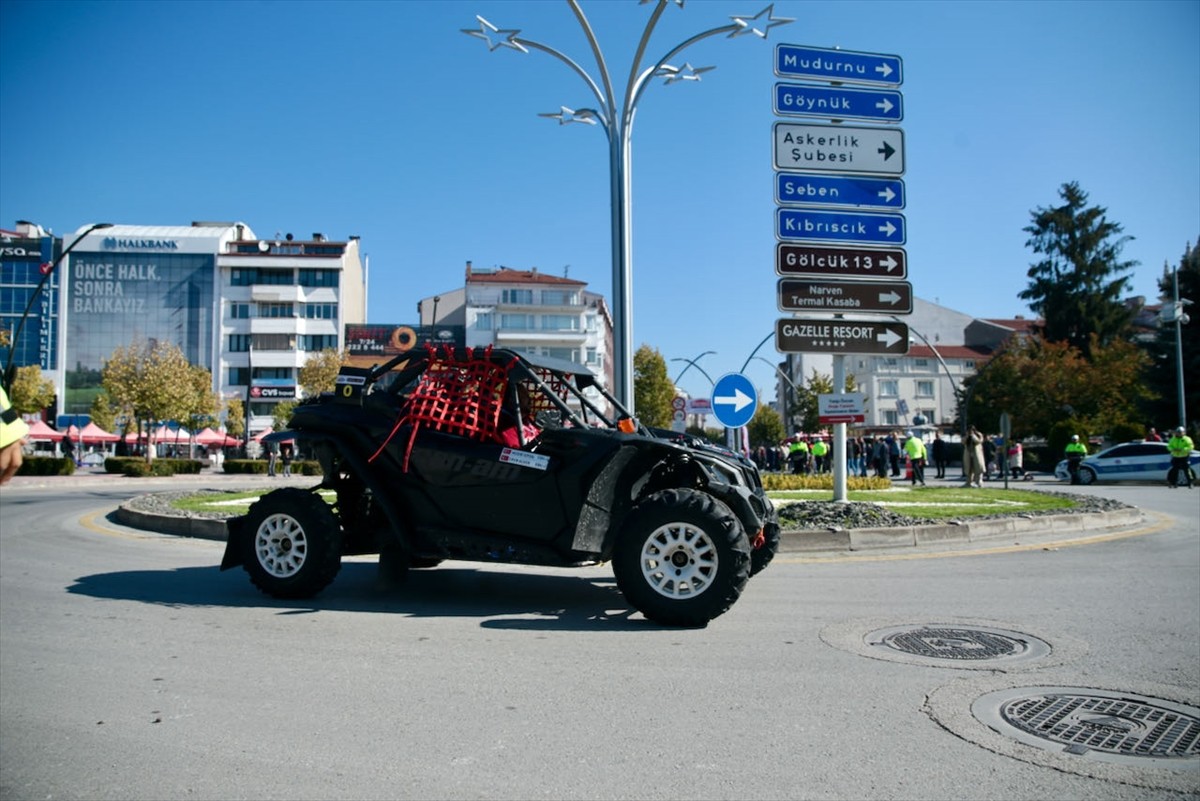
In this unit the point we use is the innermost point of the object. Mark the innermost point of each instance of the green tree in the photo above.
(203, 405)
(320, 371)
(282, 414)
(806, 405)
(1162, 376)
(1077, 287)
(151, 382)
(1042, 384)
(235, 418)
(653, 391)
(766, 427)
(30, 392)
(102, 412)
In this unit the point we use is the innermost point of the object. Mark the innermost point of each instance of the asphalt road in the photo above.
(131, 668)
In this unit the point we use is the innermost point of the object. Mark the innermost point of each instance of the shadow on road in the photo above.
(568, 602)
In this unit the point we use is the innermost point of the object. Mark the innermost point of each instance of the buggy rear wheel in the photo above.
(682, 558)
(293, 542)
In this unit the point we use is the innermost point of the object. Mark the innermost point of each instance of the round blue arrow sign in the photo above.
(734, 400)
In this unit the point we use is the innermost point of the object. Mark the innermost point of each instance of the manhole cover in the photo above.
(957, 643)
(1096, 724)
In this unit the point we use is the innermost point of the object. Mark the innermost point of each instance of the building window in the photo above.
(517, 296)
(274, 342)
(320, 311)
(560, 322)
(570, 354)
(969, 364)
(924, 389)
(276, 310)
(239, 311)
(889, 388)
(483, 321)
(239, 343)
(558, 297)
(592, 325)
(516, 322)
(276, 373)
(249, 276)
(318, 278)
(920, 362)
(315, 342)
(890, 417)
(238, 376)
(891, 361)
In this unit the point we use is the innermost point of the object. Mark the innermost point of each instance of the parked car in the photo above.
(497, 456)
(1129, 461)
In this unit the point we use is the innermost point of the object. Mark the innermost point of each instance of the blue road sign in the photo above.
(798, 189)
(846, 66)
(734, 400)
(816, 225)
(838, 103)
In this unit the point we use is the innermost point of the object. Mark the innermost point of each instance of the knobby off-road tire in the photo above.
(761, 557)
(682, 558)
(293, 542)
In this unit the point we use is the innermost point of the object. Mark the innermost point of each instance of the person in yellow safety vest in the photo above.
(13, 431)
(1180, 447)
(915, 449)
(819, 451)
(1076, 450)
(798, 455)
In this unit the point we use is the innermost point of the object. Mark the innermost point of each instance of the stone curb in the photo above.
(793, 541)
(979, 531)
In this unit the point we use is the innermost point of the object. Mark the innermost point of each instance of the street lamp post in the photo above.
(938, 356)
(617, 121)
(692, 363)
(10, 368)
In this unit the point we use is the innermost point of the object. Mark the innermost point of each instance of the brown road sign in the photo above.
(798, 295)
(840, 336)
(828, 261)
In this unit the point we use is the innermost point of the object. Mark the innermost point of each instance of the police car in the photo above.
(1129, 461)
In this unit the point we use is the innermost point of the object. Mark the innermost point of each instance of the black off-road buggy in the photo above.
(414, 451)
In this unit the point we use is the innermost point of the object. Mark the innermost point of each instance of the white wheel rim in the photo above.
(679, 561)
(281, 546)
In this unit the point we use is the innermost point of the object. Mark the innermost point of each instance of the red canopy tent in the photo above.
(91, 433)
(208, 437)
(40, 432)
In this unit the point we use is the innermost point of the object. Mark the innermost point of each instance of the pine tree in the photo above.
(1078, 287)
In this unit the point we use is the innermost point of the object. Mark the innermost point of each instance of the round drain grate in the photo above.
(959, 643)
(1096, 724)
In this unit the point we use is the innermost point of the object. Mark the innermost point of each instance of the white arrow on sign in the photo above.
(890, 263)
(884, 70)
(889, 297)
(885, 105)
(888, 337)
(739, 399)
(888, 229)
(887, 194)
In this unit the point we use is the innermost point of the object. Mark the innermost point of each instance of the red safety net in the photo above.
(460, 396)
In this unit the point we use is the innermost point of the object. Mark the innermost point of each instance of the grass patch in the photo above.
(938, 502)
(232, 503)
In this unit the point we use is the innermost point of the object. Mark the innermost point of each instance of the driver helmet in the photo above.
(1074, 438)
(1179, 431)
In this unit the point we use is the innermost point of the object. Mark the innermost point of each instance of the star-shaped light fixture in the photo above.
(685, 73)
(744, 25)
(487, 30)
(568, 115)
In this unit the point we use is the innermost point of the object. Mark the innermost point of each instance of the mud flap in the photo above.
(235, 541)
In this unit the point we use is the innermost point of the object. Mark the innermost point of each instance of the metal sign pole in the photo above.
(839, 434)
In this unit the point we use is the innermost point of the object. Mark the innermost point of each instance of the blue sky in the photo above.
(382, 119)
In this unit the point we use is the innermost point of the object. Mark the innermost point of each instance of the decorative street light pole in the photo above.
(616, 118)
(692, 363)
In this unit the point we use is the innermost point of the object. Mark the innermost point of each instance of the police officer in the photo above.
(1180, 447)
(1076, 450)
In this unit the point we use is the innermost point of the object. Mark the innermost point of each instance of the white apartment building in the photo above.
(528, 311)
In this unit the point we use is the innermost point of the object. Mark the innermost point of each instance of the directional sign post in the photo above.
(840, 336)
(845, 296)
(734, 400)
(838, 148)
(838, 102)
(844, 66)
(817, 225)
(823, 261)
(798, 189)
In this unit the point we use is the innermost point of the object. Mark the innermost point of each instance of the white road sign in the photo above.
(839, 149)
